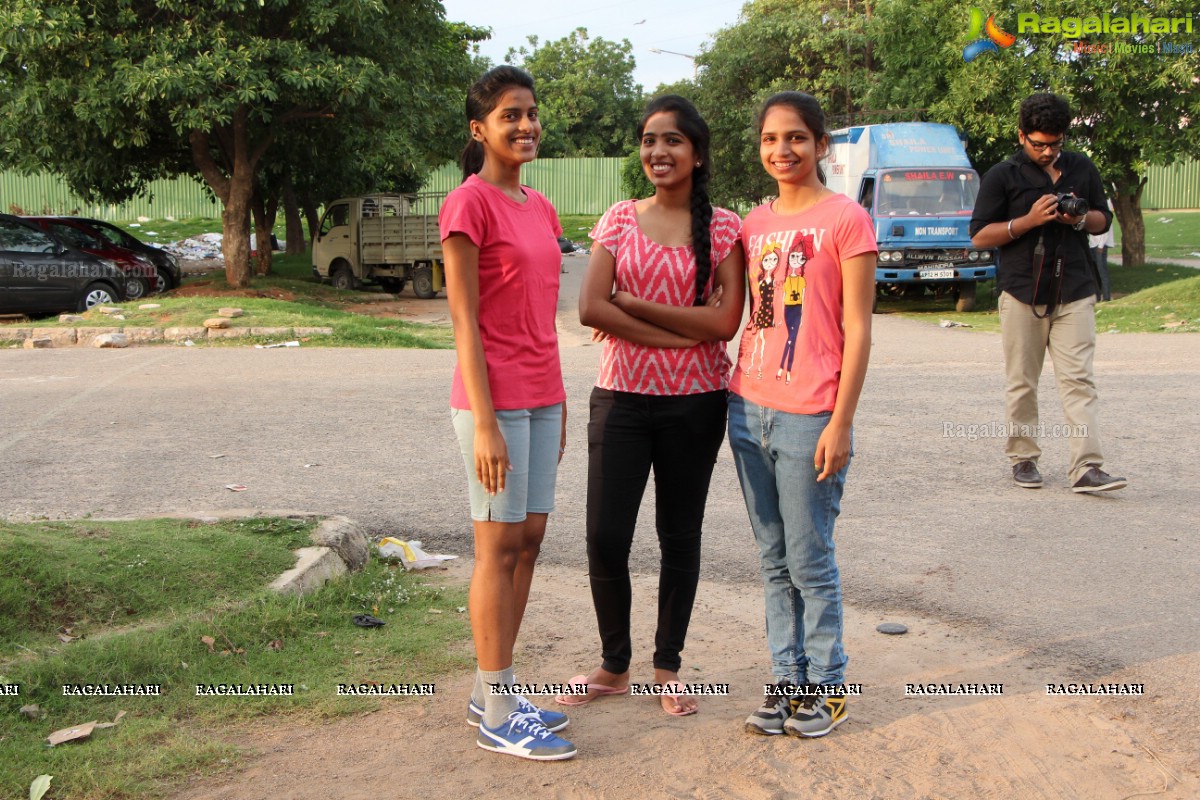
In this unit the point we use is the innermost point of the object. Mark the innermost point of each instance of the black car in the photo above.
(170, 275)
(41, 274)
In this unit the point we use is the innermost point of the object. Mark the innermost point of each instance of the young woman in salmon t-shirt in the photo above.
(664, 287)
(500, 241)
(790, 425)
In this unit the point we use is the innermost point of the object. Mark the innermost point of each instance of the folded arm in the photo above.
(597, 309)
(716, 320)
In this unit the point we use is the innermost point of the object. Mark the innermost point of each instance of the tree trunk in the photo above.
(262, 235)
(310, 215)
(1127, 203)
(232, 182)
(235, 226)
(293, 225)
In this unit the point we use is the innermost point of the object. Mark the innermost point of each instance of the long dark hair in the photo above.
(482, 98)
(693, 126)
(809, 109)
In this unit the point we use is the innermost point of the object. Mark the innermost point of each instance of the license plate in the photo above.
(935, 274)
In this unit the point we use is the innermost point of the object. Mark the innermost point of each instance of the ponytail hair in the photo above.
(693, 126)
(809, 109)
(482, 98)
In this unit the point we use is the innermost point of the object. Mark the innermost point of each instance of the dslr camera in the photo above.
(1071, 206)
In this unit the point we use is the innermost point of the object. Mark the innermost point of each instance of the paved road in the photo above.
(932, 523)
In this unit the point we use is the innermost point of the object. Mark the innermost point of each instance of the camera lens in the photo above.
(1072, 206)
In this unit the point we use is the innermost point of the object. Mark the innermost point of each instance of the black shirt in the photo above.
(1008, 191)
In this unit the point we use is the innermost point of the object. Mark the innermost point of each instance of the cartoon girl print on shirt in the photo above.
(794, 285)
(764, 316)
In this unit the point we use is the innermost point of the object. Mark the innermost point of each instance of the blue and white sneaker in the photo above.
(523, 736)
(552, 721)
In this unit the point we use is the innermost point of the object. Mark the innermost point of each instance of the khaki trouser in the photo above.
(1070, 335)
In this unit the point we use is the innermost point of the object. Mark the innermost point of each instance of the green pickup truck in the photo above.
(385, 239)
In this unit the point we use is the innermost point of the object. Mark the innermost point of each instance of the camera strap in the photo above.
(1056, 275)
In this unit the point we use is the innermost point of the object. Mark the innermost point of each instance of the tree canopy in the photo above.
(587, 97)
(871, 61)
(112, 93)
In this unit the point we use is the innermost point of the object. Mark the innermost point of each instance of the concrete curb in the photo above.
(85, 337)
(340, 546)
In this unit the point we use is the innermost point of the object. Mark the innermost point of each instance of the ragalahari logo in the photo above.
(980, 43)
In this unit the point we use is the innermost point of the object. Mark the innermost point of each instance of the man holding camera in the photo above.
(1038, 207)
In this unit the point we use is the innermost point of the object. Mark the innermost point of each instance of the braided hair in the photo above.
(482, 98)
(693, 126)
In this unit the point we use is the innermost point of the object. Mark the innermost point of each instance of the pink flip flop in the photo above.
(687, 712)
(594, 690)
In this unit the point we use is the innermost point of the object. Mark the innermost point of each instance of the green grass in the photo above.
(144, 594)
(1177, 238)
(170, 230)
(288, 298)
(577, 226)
(1156, 297)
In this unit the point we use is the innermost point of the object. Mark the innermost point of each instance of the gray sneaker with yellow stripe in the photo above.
(817, 714)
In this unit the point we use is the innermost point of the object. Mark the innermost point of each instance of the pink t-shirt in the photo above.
(667, 275)
(519, 267)
(790, 357)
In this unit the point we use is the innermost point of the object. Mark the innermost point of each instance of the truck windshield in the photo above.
(916, 192)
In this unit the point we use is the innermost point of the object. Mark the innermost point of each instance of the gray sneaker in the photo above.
(778, 705)
(817, 715)
(1097, 480)
(1025, 474)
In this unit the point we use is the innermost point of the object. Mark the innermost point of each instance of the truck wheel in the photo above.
(422, 282)
(966, 296)
(343, 278)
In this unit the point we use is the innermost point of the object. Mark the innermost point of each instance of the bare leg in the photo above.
(533, 529)
(493, 593)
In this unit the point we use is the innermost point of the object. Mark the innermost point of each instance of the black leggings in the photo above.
(628, 434)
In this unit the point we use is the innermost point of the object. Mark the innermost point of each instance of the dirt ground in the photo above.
(1023, 744)
(995, 583)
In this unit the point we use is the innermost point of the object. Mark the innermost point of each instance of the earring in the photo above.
(698, 163)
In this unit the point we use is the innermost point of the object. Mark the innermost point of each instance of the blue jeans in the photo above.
(792, 516)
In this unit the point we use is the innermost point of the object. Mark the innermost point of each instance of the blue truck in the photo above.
(916, 181)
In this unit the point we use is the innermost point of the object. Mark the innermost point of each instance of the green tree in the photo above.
(817, 46)
(1131, 109)
(112, 93)
(588, 100)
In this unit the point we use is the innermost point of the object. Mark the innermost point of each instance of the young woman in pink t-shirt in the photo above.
(790, 425)
(664, 286)
(502, 264)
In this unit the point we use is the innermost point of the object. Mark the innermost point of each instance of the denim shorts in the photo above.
(532, 436)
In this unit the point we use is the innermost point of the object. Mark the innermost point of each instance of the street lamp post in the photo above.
(695, 66)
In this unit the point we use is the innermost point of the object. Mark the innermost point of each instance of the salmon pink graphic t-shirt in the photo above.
(661, 274)
(795, 329)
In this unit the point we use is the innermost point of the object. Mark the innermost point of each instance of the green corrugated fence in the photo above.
(574, 185)
(1174, 186)
(44, 193)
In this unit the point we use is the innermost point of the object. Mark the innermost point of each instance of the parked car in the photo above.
(42, 274)
(167, 268)
(141, 272)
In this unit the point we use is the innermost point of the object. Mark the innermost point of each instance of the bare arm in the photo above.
(1042, 212)
(462, 292)
(713, 321)
(858, 290)
(597, 310)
